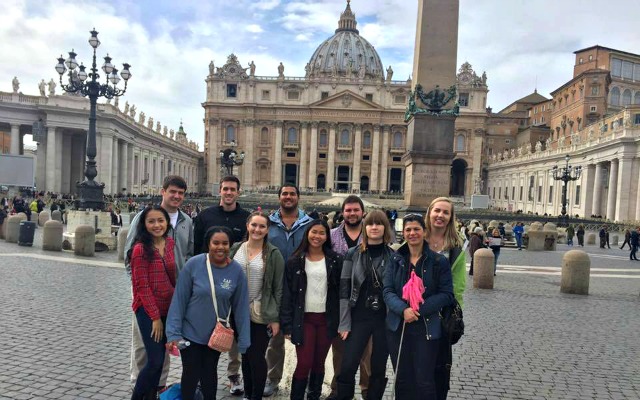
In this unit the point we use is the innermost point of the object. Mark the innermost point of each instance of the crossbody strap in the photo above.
(213, 293)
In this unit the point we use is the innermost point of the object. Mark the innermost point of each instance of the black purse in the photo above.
(450, 316)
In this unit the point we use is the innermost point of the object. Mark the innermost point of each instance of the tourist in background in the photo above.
(495, 244)
(310, 309)
(414, 334)
(634, 241)
(580, 235)
(570, 233)
(192, 315)
(627, 238)
(153, 278)
(443, 238)
(264, 267)
(518, 231)
(476, 242)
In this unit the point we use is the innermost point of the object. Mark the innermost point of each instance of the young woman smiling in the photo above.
(443, 238)
(362, 307)
(192, 315)
(309, 313)
(408, 328)
(153, 278)
(264, 267)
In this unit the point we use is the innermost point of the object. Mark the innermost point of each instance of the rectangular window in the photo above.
(266, 94)
(136, 168)
(494, 193)
(539, 194)
(636, 72)
(463, 100)
(593, 108)
(324, 95)
(397, 159)
(595, 90)
(499, 192)
(507, 141)
(293, 95)
(513, 193)
(637, 119)
(627, 70)
(369, 96)
(550, 194)
(366, 157)
(521, 191)
(232, 90)
(400, 99)
(616, 67)
(322, 155)
(291, 154)
(577, 201)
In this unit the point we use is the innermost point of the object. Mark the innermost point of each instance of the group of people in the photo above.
(287, 276)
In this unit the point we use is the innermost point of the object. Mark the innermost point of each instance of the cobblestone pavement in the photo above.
(66, 327)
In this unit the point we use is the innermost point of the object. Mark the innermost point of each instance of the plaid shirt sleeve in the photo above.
(142, 279)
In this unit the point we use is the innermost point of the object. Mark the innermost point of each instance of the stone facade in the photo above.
(131, 155)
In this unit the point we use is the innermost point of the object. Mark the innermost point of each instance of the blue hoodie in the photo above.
(287, 240)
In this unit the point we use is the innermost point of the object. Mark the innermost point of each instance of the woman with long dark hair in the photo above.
(309, 312)
(362, 307)
(153, 278)
(414, 327)
(264, 266)
(193, 315)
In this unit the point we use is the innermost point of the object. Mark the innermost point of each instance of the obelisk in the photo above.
(431, 128)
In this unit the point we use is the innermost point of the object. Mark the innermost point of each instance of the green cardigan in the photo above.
(271, 283)
(459, 274)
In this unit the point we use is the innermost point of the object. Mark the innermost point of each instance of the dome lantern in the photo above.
(347, 20)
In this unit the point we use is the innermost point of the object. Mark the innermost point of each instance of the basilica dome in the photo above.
(346, 54)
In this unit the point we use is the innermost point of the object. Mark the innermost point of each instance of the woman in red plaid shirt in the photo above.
(153, 275)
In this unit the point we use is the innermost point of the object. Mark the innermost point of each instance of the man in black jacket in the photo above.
(228, 213)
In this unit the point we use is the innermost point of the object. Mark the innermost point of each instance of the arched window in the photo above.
(264, 135)
(323, 138)
(397, 140)
(460, 143)
(366, 139)
(615, 96)
(292, 136)
(626, 97)
(636, 98)
(345, 137)
(231, 134)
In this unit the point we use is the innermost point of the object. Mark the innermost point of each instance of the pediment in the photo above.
(346, 100)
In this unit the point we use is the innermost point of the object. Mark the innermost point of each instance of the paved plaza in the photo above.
(66, 327)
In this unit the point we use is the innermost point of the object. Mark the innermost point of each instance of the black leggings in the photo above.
(199, 364)
(254, 365)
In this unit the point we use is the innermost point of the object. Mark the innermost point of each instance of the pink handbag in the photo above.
(222, 336)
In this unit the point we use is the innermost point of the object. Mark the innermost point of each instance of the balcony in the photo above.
(345, 147)
(291, 146)
(397, 150)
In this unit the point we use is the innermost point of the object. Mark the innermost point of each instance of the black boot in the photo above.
(151, 394)
(298, 387)
(137, 395)
(346, 392)
(376, 389)
(315, 386)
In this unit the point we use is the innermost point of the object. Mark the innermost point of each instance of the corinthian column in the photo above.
(357, 157)
(249, 163)
(375, 157)
(332, 156)
(304, 139)
(313, 155)
(276, 166)
(613, 190)
(384, 168)
(51, 159)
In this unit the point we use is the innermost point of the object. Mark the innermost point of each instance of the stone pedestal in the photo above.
(99, 220)
(84, 241)
(591, 238)
(13, 228)
(122, 240)
(614, 240)
(56, 215)
(52, 235)
(43, 217)
(576, 270)
(483, 269)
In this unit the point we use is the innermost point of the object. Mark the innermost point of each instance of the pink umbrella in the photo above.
(413, 290)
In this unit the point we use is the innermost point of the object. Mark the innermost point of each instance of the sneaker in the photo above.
(269, 389)
(236, 385)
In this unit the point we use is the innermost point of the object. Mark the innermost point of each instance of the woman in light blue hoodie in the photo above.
(192, 315)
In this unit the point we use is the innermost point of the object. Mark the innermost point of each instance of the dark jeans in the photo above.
(315, 346)
(361, 331)
(626, 242)
(581, 240)
(415, 373)
(443, 369)
(149, 375)
(199, 364)
(254, 365)
(632, 255)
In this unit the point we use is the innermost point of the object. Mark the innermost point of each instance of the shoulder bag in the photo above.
(222, 336)
(255, 307)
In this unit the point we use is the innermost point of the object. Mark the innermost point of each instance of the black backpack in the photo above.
(451, 316)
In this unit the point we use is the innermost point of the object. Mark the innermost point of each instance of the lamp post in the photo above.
(229, 158)
(565, 174)
(90, 194)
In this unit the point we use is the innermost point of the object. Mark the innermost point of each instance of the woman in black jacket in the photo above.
(362, 307)
(414, 334)
(309, 310)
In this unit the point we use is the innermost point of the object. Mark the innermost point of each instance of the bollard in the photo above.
(614, 240)
(576, 268)
(22, 216)
(591, 238)
(122, 240)
(3, 226)
(56, 215)
(12, 231)
(52, 235)
(131, 217)
(483, 269)
(85, 241)
(43, 217)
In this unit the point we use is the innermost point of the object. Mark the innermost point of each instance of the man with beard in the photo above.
(287, 229)
(228, 213)
(343, 237)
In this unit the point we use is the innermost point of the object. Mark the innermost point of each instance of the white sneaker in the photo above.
(269, 389)
(237, 388)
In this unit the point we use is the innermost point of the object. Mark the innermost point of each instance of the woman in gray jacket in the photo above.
(264, 266)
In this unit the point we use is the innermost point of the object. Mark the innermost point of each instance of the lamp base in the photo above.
(90, 195)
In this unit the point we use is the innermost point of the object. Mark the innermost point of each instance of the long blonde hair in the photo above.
(451, 237)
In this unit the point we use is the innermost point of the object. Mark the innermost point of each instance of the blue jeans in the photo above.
(519, 240)
(150, 374)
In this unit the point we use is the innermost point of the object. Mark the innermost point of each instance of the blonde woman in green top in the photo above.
(443, 238)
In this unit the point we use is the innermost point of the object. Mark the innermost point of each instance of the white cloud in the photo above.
(302, 37)
(266, 5)
(254, 28)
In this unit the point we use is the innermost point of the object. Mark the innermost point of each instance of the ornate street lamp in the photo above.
(565, 174)
(229, 158)
(90, 194)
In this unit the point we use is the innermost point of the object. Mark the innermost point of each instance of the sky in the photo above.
(522, 45)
